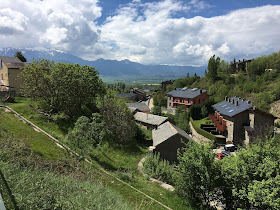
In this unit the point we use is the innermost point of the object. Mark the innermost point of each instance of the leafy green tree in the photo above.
(224, 67)
(64, 87)
(118, 119)
(87, 134)
(195, 112)
(20, 56)
(213, 66)
(257, 66)
(204, 111)
(160, 99)
(156, 110)
(197, 176)
(118, 87)
(251, 180)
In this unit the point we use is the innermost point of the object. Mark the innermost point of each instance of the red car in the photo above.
(220, 156)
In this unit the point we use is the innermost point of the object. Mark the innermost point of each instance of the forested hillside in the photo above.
(260, 82)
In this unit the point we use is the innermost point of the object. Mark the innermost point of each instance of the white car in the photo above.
(229, 147)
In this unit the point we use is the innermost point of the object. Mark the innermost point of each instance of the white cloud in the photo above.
(150, 33)
(241, 33)
(65, 24)
(12, 21)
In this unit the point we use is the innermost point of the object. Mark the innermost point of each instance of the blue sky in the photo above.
(217, 7)
(174, 32)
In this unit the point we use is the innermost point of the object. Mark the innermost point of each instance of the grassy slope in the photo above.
(121, 162)
(32, 168)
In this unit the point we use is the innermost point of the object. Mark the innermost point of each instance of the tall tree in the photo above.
(118, 118)
(213, 66)
(87, 134)
(64, 87)
(197, 175)
(20, 56)
(251, 179)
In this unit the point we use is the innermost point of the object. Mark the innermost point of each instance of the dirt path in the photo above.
(151, 103)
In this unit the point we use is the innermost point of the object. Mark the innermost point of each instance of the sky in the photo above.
(172, 32)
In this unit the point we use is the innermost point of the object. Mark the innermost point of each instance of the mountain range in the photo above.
(106, 67)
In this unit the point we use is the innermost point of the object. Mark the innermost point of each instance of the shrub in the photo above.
(158, 169)
(198, 173)
(156, 110)
(87, 134)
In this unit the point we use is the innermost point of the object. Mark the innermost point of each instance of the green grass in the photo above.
(27, 108)
(148, 134)
(30, 181)
(37, 141)
(121, 161)
(205, 120)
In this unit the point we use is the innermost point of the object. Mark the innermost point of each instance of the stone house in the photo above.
(168, 139)
(186, 97)
(140, 94)
(238, 121)
(128, 96)
(10, 71)
(242, 65)
(164, 84)
(149, 121)
(140, 106)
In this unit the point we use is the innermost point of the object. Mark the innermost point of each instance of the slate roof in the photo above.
(12, 62)
(149, 118)
(229, 109)
(165, 131)
(126, 95)
(188, 93)
(138, 90)
(140, 106)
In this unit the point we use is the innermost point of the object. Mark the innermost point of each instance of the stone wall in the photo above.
(168, 149)
(235, 126)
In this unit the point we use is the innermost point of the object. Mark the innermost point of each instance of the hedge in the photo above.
(219, 140)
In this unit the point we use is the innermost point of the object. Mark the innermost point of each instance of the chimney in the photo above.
(229, 100)
(248, 102)
(226, 98)
(200, 91)
(254, 108)
(236, 103)
(232, 101)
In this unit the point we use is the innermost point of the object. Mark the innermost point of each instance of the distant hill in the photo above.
(107, 67)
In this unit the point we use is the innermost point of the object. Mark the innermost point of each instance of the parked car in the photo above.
(229, 147)
(220, 156)
(226, 153)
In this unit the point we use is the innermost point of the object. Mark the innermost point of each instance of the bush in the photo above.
(87, 134)
(159, 169)
(156, 110)
(198, 173)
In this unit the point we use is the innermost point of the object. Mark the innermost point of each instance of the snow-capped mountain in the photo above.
(105, 67)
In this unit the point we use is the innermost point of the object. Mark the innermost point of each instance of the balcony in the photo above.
(179, 102)
(217, 123)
